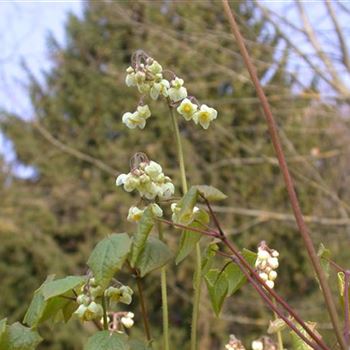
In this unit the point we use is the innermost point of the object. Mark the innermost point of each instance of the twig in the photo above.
(287, 178)
(73, 152)
(143, 309)
(273, 307)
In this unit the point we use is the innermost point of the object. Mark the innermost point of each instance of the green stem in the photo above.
(143, 310)
(198, 270)
(105, 320)
(196, 298)
(279, 333)
(180, 152)
(163, 282)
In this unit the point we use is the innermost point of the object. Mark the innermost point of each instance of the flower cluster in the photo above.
(190, 111)
(234, 344)
(138, 118)
(149, 180)
(136, 213)
(176, 210)
(264, 343)
(90, 299)
(266, 264)
(127, 320)
(89, 309)
(147, 75)
(122, 294)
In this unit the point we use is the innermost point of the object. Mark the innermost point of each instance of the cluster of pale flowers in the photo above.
(148, 78)
(89, 306)
(264, 343)
(234, 344)
(176, 210)
(135, 213)
(149, 180)
(266, 264)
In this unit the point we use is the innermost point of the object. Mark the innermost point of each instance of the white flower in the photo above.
(134, 214)
(187, 109)
(177, 91)
(153, 169)
(133, 120)
(155, 67)
(204, 116)
(144, 87)
(168, 190)
(263, 254)
(88, 313)
(143, 111)
(160, 88)
(273, 262)
(272, 275)
(140, 77)
(270, 284)
(148, 178)
(127, 322)
(131, 183)
(157, 210)
(130, 79)
(257, 345)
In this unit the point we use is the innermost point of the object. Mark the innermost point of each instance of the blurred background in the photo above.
(62, 145)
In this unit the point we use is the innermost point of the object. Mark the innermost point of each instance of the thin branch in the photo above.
(311, 36)
(266, 215)
(273, 307)
(73, 152)
(340, 36)
(287, 178)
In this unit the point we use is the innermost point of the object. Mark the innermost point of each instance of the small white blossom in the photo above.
(160, 88)
(204, 116)
(138, 118)
(177, 92)
(133, 120)
(134, 214)
(148, 178)
(127, 322)
(257, 345)
(266, 264)
(155, 68)
(90, 312)
(130, 79)
(187, 109)
(156, 210)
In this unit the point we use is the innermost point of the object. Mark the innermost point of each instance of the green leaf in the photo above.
(189, 238)
(208, 257)
(40, 309)
(61, 286)
(325, 255)
(155, 255)
(108, 257)
(3, 329)
(19, 337)
(107, 341)
(235, 276)
(217, 285)
(138, 345)
(144, 228)
(187, 203)
(297, 342)
(210, 193)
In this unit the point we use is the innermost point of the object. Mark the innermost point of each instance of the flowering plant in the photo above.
(99, 296)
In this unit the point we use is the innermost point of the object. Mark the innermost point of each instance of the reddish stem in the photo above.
(272, 126)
